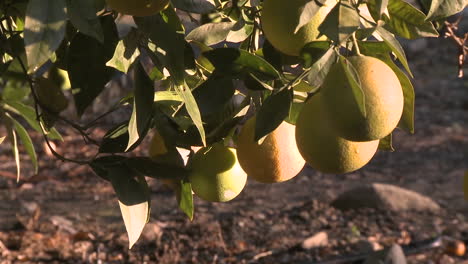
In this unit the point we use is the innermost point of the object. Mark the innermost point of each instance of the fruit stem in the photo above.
(355, 44)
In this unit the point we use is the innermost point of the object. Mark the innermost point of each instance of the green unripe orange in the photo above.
(138, 7)
(276, 159)
(383, 100)
(216, 174)
(322, 149)
(279, 20)
(50, 95)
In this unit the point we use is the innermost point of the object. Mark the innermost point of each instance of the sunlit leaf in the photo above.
(407, 21)
(241, 30)
(321, 67)
(2, 139)
(355, 84)
(439, 9)
(134, 200)
(123, 57)
(396, 47)
(14, 148)
(341, 22)
(29, 114)
(192, 108)
(186, 199)
(27, 142)
(211, 33)
(142, 106)
(386, 143)
(309, 9)
(44, 30)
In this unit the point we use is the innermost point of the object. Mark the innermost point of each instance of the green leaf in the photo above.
(234, 61)
(211, 33)
(313, 51)
(386, 143)
(309, 9)
(88, 79)
(44, 30)
(241, 30)
(142, 106)
(341, 22)
(134, 200)
(254, 84)
(195, 6)
(29, 114)
(407, 21)
(213, 94)
(381, 5)
(272, 113)
(294, 112)
(354, 82)
(123, 57)
(116, 139)
(186, 199)
(321, 67)
(170, 44)
(14, 148)
(15, 90)
(27, 142)
(82, 15)
(439, 9)
(102, 165)
(393, 43)
(146, 166)
(192, 108)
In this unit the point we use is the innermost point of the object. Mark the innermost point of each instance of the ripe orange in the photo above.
(276, 159)
(322, 149)
(383, 100)
(279, 19)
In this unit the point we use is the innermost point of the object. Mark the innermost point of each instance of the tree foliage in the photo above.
(196, 67)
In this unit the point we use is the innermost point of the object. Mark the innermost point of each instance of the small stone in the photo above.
(318, 240)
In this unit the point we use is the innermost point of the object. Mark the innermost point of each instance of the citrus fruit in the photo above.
(50, 95)
(276, 159)
(383, 100)
(138, 7)
(322, 149)
(216, 174)
(279, 20)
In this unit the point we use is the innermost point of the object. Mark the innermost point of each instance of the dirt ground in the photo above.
(66, 214)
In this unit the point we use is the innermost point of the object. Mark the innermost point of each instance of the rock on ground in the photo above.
(384, 196)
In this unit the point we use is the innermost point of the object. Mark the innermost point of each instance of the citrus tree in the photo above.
(322, 82)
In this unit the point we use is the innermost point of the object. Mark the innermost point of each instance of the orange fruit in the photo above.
(322, 148)
(216, 175)
(383, 100)
(276, 159)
